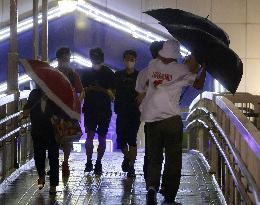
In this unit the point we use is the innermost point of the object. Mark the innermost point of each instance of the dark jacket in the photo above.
(125, 99)
(96, 100)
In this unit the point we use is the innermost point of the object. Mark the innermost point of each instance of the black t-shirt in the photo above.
(40, 121)
(125, 100)
(98, 101)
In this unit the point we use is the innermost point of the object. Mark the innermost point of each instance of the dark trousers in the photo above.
(127, 126)
(145, 155)
(145, 160)
(165, 134)
(40, 145)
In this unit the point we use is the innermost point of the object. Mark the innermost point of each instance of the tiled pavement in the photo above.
(112, 188)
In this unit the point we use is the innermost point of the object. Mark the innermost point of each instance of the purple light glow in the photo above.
(111, 135)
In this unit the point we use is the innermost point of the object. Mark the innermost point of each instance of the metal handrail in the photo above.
(232, 171)
(241, 165)
(10, 117)
(8, 135)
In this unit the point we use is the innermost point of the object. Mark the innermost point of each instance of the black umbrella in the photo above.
(180, 17)
(221, 62)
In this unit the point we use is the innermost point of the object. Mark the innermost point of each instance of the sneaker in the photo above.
(88, 166)
(52, 190)
(65, 169)
(131, 172)
(151, 197)
(162, 190)
(41, 182)
(125, 165)
(98, 168)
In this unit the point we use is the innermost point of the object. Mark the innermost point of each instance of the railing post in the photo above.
(257, 110)
(44, 30)
(12, 78)
(214, 160)
(35, 29)
(203, 143)
(12, 72)
(192, 139)
(2, 133)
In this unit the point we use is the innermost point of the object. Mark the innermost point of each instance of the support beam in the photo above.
(12, 86)
(44, 30)
(35, 29)
(12, 72)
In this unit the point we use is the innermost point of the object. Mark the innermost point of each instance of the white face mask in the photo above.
(130, 64)
(64, 64)
(97, 66)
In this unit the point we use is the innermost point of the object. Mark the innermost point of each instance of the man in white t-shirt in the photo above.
(161, 112)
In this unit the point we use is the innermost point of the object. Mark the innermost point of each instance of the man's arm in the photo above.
(78, 86)
(139, 98)
(142, 81)
(32, 100)
(142, 84)
(194, 67)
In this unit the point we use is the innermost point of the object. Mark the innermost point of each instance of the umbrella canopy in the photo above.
(55, 85)
(180, 17)
(221, 62)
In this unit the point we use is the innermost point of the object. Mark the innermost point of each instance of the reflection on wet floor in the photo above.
(112, 188)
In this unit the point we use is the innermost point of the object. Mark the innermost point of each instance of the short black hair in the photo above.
(130, 52)
(62, 51)
(96, 54)
(155, 47)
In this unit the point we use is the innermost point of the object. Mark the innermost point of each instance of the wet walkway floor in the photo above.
(112, 188)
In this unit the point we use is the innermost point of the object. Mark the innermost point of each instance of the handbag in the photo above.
(66, 131)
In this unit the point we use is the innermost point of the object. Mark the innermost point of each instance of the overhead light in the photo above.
(67, 6)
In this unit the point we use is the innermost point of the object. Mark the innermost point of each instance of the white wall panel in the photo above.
(253, 11)
(155, 4)
(199, 7)
(242, 85)
(237, 36)
(229, 11)
(252, 76)
(253, 42)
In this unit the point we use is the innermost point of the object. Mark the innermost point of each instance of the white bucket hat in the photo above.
(171, 49)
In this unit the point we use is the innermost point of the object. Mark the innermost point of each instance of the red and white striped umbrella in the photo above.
(55, 85)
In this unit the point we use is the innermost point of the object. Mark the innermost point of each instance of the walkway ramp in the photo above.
(112, 188)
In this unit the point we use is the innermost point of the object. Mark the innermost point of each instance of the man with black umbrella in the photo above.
(161, 112)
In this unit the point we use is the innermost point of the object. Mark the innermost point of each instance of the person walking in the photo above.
(43, 136)
(141, 89)
(63, 55)
(128, 114)
(99, 84)
(161, 112)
